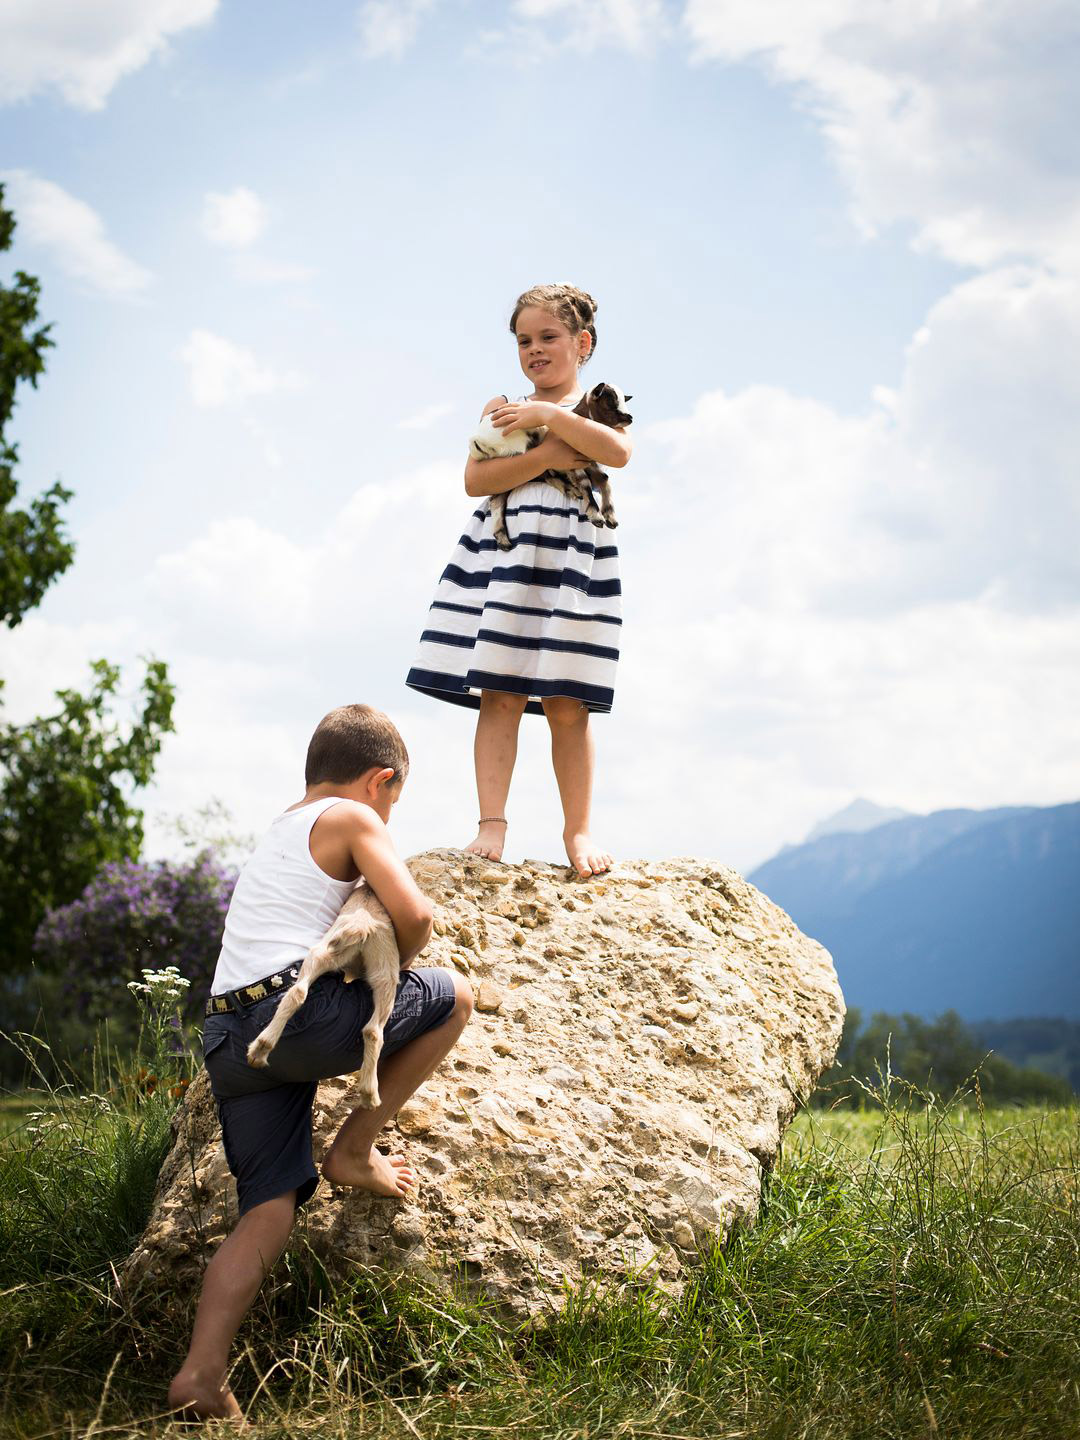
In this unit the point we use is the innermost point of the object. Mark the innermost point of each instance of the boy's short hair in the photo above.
(351, 740)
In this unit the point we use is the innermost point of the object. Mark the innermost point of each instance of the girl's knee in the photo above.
(562, 711)
(501, 702)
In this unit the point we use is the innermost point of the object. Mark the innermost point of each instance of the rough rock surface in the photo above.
(637, 1049)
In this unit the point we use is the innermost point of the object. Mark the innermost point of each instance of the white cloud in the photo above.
(82, 49)
(235, 218)
(39, 657)
(539, 29)
(625, 24)
(389, 27)
(956, 115)
(425, 418)
(73, 233)
(221, 372)
(961, 487)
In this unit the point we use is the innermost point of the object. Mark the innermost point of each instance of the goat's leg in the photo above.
(382, 971)
(319, 961)
(339, 949)
(586, 479)
(498, 520)
(607, 506)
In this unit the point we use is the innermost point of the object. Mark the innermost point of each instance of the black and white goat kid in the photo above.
(603, 403)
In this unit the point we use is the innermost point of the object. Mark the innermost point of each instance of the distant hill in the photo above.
(860, 816)
(972, 910)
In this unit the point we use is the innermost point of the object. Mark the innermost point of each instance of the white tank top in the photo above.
(283, 903)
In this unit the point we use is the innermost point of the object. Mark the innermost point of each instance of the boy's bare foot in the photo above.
(585, 857)
(490, 839)
(379, 1174)
(194, 1396)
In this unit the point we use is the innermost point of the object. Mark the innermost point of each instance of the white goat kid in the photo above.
(361, 945)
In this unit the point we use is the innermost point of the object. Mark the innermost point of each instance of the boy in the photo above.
(287, 896)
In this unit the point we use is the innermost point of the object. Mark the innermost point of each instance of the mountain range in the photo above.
(972, 910)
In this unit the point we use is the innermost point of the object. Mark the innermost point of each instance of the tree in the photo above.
(65, 807)
(33, 547)
(66, 779)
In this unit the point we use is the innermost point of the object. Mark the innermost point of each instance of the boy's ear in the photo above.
(376, 779)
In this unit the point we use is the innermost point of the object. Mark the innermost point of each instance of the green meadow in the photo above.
(914, 1272)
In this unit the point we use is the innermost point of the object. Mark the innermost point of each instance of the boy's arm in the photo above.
(381, 866)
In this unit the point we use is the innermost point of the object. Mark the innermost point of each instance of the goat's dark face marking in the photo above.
(607, 404)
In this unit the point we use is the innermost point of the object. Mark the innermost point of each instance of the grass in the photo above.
(914, 1273)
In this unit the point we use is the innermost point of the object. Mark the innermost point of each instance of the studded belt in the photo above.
(249, 995)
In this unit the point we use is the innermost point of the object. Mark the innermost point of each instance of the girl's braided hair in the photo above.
(575, 308)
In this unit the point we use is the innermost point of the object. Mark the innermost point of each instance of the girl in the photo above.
(533, 630)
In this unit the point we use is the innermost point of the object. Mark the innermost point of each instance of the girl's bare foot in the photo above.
(195, 1396)
(379, 1174)
(585, 857)
(490, 839)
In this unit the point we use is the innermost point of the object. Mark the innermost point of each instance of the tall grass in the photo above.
(914, 1272)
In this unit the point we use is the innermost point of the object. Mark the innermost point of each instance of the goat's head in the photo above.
(607, 404)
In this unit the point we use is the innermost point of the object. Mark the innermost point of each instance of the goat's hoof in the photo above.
(368, 1099)
(611, 522)
(503, 544)
(258, 1053)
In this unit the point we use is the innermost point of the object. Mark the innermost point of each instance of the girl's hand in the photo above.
(518, 415)
(558, 455)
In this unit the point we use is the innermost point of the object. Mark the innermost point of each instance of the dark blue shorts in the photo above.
(266, 1112)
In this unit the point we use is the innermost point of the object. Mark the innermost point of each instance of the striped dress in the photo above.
(541, 619)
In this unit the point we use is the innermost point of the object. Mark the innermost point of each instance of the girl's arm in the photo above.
(602, 443)
(507, 472)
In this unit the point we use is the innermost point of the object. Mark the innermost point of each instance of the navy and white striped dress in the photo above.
(541, 619)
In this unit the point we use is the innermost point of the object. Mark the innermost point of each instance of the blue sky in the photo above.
(836, 251)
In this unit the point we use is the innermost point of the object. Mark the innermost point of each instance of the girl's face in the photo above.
(549, 353)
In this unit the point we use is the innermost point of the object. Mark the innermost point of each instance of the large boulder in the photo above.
(639, 1045)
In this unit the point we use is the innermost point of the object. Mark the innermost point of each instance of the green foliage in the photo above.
(33, 547)
(941, 1055)
(78, 1171)
(65, 796)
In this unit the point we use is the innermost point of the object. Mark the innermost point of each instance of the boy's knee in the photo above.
(463, 1002)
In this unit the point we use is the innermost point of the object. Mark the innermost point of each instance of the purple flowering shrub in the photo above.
(134, 915)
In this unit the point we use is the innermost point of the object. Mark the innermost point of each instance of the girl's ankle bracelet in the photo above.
(493, 820)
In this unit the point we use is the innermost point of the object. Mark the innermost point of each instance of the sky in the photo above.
(836, 250)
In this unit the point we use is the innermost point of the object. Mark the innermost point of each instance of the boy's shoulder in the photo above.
(350, 815)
